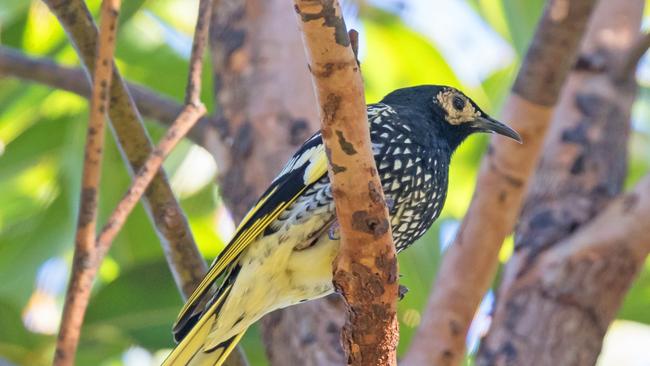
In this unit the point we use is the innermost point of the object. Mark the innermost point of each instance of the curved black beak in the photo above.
(490, 125)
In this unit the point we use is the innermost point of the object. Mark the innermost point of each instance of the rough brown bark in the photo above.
(45, 71)
(83, 273)
(365, 270)
(501, 184)
(582, 169)
(254, 58)
(266, 121)
(308, 334)
(181, 252)
(558, 310)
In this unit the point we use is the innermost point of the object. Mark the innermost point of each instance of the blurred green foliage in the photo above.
(42, 132)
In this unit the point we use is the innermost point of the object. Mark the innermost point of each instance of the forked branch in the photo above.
(84, 263)
(185, 262)
(470, 263)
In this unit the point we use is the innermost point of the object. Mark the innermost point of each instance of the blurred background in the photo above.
(474, 45)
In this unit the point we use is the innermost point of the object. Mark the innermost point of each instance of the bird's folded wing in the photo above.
(307, 166)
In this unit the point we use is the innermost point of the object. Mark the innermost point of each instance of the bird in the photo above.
(282, 252)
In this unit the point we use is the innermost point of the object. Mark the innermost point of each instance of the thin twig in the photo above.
(626, 70)
(141, 181)
(78, 293)
(152, 105)
(193, 89)
(191, 113)
(184, 260)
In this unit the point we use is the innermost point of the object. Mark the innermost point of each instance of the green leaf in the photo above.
(17, 344)
(139, 306)
(637, 301)
(399, 57)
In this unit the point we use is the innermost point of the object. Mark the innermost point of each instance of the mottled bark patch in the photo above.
(330, 19)
(87, 210)
(630, 201)
(375, 194)
(387, 264)
(365, 222)
(346, 146)
(336, 169)
(331, 107)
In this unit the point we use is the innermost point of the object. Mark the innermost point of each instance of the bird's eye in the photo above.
(458, 103)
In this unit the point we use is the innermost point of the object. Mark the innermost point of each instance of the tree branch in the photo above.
(193, 110)
(501, 184)
(587, 274)
(582, 169)
(626, 70)
(85, 260)
(187, 265)
(254, 57)
(45, 71)
(367, 254)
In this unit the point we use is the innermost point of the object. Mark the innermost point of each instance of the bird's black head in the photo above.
(445, 111)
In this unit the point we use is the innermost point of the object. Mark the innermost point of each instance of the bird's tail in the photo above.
(190, 351)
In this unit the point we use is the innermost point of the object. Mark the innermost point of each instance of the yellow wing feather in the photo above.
(316, 168)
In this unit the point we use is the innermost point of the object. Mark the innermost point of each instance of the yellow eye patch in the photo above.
(459, 109)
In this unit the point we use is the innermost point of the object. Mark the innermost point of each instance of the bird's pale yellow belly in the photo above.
(275, 275)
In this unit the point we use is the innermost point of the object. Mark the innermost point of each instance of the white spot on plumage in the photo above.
(397, 164)
(394, 185)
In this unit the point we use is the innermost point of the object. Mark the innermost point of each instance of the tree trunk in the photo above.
(264, 93)
(581, 171)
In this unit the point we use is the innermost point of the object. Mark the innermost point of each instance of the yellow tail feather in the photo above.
(190, 351)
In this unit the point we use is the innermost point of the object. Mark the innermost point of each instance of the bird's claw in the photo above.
(401, 292)
(333, 232)
(390, 202)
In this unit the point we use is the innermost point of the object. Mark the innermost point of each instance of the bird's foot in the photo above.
(390, 202)
(401, 292)
(333, 232)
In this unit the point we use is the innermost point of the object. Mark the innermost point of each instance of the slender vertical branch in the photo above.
(145, 175)
(193, 110)
(470, 263)
(82, 274)
(183, 257)
(367, 254)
